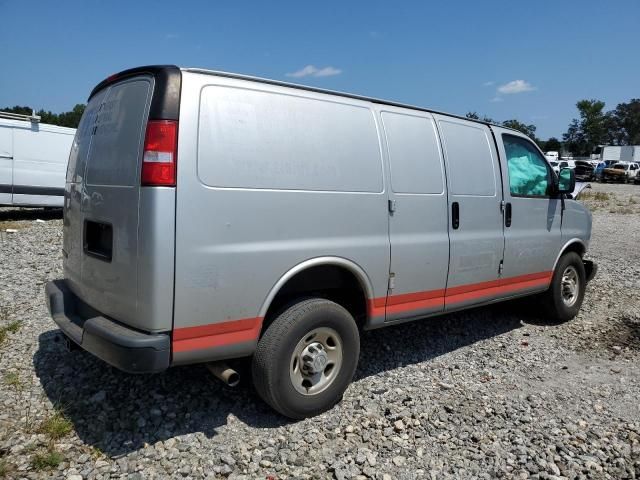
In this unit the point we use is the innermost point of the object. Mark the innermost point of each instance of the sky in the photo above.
(528, 60)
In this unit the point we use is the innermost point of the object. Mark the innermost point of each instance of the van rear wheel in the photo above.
(566, 292)
(306, 358)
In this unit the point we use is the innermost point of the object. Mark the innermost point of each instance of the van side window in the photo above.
(471, 165)
(528, 172)
(268, 140)
(414, 156)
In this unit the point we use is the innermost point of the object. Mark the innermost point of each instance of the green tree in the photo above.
(626, 119)
(528, 130)
(64, 119)
(551, 145)
(18, 109)
(591, 130)
(484, 118)
(574, 140)
(72, 118)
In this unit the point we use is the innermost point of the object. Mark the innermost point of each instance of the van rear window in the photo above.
(118, 134)
(260, 139)
(82, 140)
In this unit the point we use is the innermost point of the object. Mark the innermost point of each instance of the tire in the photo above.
(558, 303)
(278, 371)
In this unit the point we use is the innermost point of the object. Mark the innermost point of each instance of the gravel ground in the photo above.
(493, 392)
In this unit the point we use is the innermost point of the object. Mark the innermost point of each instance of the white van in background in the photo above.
(33, 161)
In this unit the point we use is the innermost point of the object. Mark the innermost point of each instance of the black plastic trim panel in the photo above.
(165, 104)
(31, 190)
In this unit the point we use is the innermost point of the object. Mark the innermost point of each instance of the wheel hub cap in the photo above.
(316, 361)
(570, 286)
(314, 358)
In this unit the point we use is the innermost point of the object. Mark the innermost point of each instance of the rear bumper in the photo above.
(121, 346)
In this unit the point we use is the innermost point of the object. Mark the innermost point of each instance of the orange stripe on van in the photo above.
(248, 329)
(216, 335)
(377, 307)
(407, 302)
(502, 282)
(489, 291)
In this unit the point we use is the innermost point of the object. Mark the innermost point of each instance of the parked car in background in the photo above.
(621, 172)
(33, 161)
(585, 171)
(600, 166)
(218, 216)
(552, 156)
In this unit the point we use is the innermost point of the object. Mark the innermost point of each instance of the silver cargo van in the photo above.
(211, 216)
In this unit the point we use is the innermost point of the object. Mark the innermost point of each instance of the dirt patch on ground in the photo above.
(621, 201)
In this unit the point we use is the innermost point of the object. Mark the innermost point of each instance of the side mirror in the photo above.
(566, 181)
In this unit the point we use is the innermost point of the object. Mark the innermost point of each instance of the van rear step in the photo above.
(123, 347)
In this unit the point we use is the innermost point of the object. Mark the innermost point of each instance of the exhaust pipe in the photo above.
(69, 344)
(225, 373)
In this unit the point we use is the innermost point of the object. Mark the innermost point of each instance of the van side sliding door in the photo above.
(475, 216)
(418, 214)
(532, 216)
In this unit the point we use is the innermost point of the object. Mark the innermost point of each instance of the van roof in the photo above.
(162, 69)
(36, 126)
(219, 73)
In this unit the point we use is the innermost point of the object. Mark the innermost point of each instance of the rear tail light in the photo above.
(160, 153)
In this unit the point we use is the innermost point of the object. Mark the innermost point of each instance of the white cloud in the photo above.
(172, 36)
(488, 84)
(497, 99)
(328, 72)
(515, 86)
(313, 71)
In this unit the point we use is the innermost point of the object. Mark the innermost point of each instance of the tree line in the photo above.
(594, 126)
(65, 119)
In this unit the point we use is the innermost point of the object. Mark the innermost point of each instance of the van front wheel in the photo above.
(566, 292)
(306, 358)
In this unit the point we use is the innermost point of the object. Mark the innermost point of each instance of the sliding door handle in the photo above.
(507, 215)
(455, 215)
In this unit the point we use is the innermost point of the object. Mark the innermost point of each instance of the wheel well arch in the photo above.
(574, 245)
(335, 278)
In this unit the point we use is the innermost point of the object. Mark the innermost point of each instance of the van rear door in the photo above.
(101, 218)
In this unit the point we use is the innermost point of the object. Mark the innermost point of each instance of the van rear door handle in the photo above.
(455, 215)
(507, 215)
